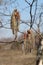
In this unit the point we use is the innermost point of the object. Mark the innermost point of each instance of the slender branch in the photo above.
(31, 15)
(32, 21)
(10, 42)
(37, 32)
(27, 2)
(24, 22)
(39, 24)
(31, 5)
(35, 11)
(40, 17)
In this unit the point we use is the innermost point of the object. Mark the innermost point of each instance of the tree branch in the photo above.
(35, 11)
(31, 5)
(24, 22)
(27, 2)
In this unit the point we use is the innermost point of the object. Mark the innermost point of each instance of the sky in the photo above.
(8, 6)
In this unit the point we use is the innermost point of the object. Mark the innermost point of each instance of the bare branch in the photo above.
(27, 2)
(24, 22)
(40, 17)
(9, 42)
(31, 15)
(32, 21)
(35, 11)
(31, 5)
(39, 24)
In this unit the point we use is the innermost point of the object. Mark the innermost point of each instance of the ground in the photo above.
(14, 57)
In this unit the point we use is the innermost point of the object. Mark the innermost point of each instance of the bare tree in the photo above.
(31, 16)
(40, 22)
(30, 24)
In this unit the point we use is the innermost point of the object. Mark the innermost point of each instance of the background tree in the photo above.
(6, 13)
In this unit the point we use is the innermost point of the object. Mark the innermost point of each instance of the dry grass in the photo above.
(14, 57)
